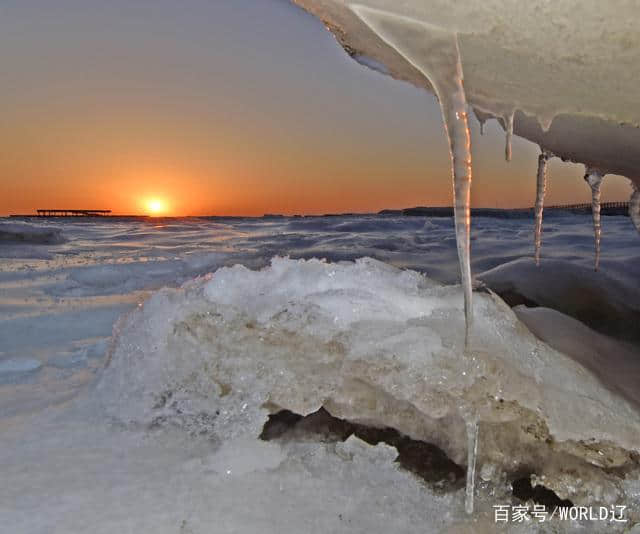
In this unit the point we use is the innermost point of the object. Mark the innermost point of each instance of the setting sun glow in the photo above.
(156, 206)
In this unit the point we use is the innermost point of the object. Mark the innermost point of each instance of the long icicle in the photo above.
(634, 206)
(435, 53)
(541, 187)
(457, 127)
(594, 178)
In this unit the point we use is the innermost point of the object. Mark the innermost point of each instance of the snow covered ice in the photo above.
(162, 422)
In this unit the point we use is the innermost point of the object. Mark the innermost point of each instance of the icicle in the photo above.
(434, 52)
(545, 122)
(482, 118)
(508, 122)
(634, 206)
(594, 178)
(472, 453)
(541, 187)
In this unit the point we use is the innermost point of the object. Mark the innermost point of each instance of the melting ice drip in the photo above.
(472, 453)
(594, 178)
(541, 187)
(508, 122)
(434, 52)
(482, 118)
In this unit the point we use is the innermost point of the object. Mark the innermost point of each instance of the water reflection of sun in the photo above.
(156, 206)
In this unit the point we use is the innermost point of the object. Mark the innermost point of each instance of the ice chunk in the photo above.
(17, 366)
(604, 302)
(241, 456)
(30, 233)
(68, 360)
(616, 363)
(350, 337)
(594, 178)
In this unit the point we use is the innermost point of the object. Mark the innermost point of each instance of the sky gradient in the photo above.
(229, 107)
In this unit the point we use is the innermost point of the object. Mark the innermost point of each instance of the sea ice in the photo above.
(11, 232)
(376, 346)
(17, 366)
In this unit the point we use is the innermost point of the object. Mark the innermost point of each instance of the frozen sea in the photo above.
(67, 285)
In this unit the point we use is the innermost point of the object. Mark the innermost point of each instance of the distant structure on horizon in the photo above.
(607, 208)
(72, 213)
(42, 213)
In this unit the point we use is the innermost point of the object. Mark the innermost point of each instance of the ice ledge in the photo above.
(569, 68)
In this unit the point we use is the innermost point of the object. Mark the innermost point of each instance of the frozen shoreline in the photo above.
(101, 442)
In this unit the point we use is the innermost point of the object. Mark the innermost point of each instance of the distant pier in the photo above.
(56, 213)
(73, 213)
(611, 207)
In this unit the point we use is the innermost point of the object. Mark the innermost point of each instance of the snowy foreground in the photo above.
(304, 395)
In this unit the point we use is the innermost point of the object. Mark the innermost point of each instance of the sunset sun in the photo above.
(156, 206)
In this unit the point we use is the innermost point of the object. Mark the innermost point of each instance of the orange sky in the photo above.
(216, 110)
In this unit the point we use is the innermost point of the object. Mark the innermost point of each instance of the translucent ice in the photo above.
(435, 53)
(594, 178)
(634, 206)
(482, 118)
(541, 186)
(472, 453)
(370, 344)
(15, 366)
(508, 122)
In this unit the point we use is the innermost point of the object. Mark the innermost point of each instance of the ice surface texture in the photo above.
(374, 345)
(15, 233)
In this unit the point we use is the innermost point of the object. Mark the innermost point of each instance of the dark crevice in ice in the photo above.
(523, 490)
(513, 298)
(425, 460)
(587, 307)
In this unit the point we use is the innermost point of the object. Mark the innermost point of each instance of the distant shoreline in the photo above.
(607, 208)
